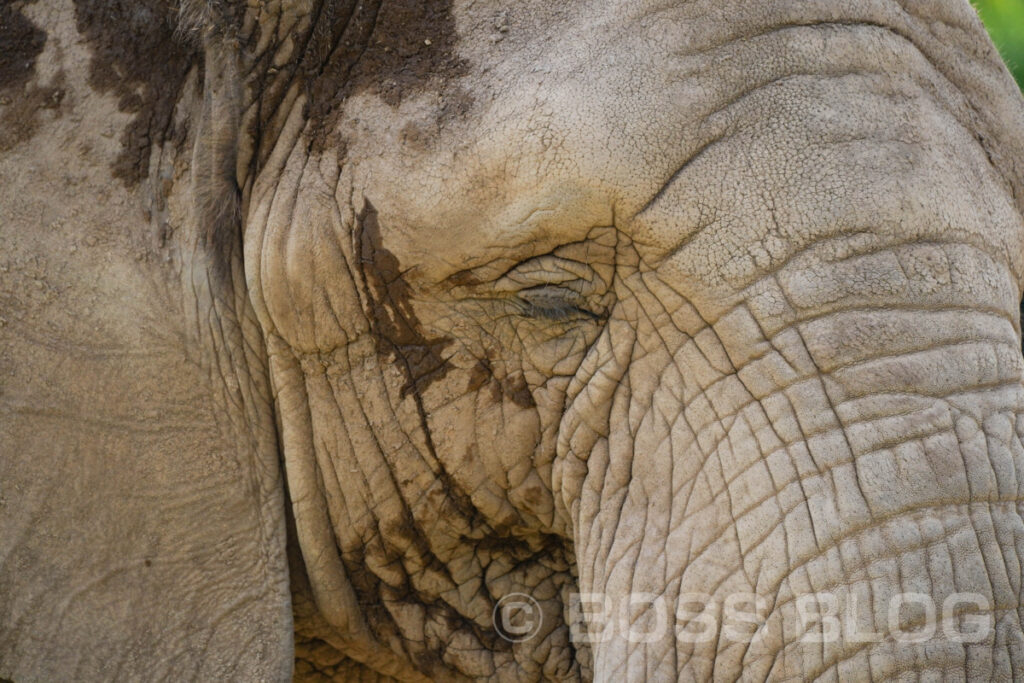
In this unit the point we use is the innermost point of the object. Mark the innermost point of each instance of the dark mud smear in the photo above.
(399, 335)
(22, 43)
(137, 57)
(391, 48)
(514, 388)
(21, 100)
(394, 323)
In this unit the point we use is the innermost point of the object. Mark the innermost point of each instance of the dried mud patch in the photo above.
(21, 98)
(393, 49)
(137, 56)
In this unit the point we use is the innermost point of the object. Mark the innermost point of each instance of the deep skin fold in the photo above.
(806, 224)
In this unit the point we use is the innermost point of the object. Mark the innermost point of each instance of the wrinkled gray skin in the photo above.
(712, 297)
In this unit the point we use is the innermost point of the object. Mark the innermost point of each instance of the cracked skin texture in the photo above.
(378, 312)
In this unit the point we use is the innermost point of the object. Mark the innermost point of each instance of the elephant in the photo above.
(459, 339)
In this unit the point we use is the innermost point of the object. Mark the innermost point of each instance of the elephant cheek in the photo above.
(496, 437)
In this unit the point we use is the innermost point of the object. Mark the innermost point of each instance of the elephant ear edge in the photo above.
(142, 530)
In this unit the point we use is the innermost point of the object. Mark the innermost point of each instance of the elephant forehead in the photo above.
(554, 120)
(834, 169)
(566, 122)
(585, 118)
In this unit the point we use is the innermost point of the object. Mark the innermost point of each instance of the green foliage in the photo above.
(1005, 22)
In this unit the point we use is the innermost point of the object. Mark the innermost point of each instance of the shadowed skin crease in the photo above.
(431, 340)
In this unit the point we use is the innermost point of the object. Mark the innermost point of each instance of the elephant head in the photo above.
(608, 340)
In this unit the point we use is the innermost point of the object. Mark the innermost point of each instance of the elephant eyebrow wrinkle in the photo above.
(679, 171)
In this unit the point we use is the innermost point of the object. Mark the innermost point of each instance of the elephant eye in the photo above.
(552, 288)
(560, 304)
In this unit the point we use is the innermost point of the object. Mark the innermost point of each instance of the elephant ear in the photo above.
(141, 509)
